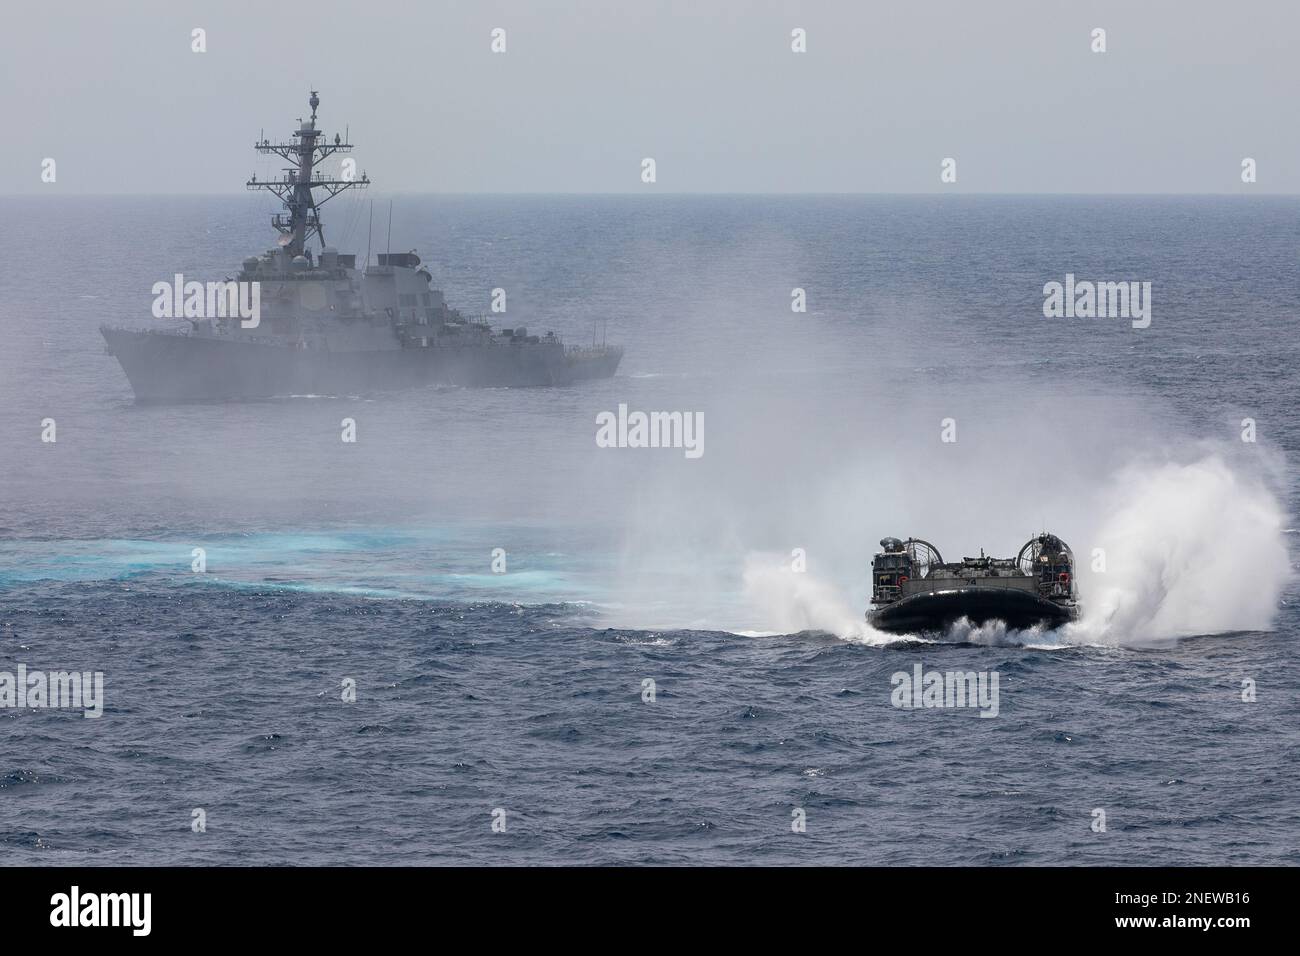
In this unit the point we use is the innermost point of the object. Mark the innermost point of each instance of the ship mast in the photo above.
(294, 188)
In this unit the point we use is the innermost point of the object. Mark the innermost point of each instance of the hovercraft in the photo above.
(914, 591)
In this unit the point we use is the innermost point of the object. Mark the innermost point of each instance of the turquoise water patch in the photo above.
(444, 563)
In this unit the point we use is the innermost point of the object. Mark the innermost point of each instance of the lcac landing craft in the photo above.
(914, 591)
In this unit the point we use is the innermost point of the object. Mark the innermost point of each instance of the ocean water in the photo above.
(332, 566)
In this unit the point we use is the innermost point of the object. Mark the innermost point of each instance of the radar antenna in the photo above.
(294, 188)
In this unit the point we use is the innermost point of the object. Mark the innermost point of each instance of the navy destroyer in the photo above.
(913, 591)
(321, 326)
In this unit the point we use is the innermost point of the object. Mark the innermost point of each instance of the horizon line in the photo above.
(693, 193)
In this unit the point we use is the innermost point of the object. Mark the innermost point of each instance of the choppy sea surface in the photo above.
(638, 656)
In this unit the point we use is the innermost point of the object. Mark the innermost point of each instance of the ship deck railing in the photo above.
(928, 585)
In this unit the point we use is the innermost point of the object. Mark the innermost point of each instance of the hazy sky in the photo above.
(710, 89)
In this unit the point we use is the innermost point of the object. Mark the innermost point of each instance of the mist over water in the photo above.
(1191, 548)
(821, 429)
(821, 432)
(1176, 539)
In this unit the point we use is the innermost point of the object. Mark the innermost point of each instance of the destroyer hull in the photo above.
(932, 611)
(165, 368)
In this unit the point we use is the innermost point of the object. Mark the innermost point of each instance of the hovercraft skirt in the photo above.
(938, 610)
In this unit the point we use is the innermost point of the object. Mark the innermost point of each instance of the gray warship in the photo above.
(325, 327)
(914, 592)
